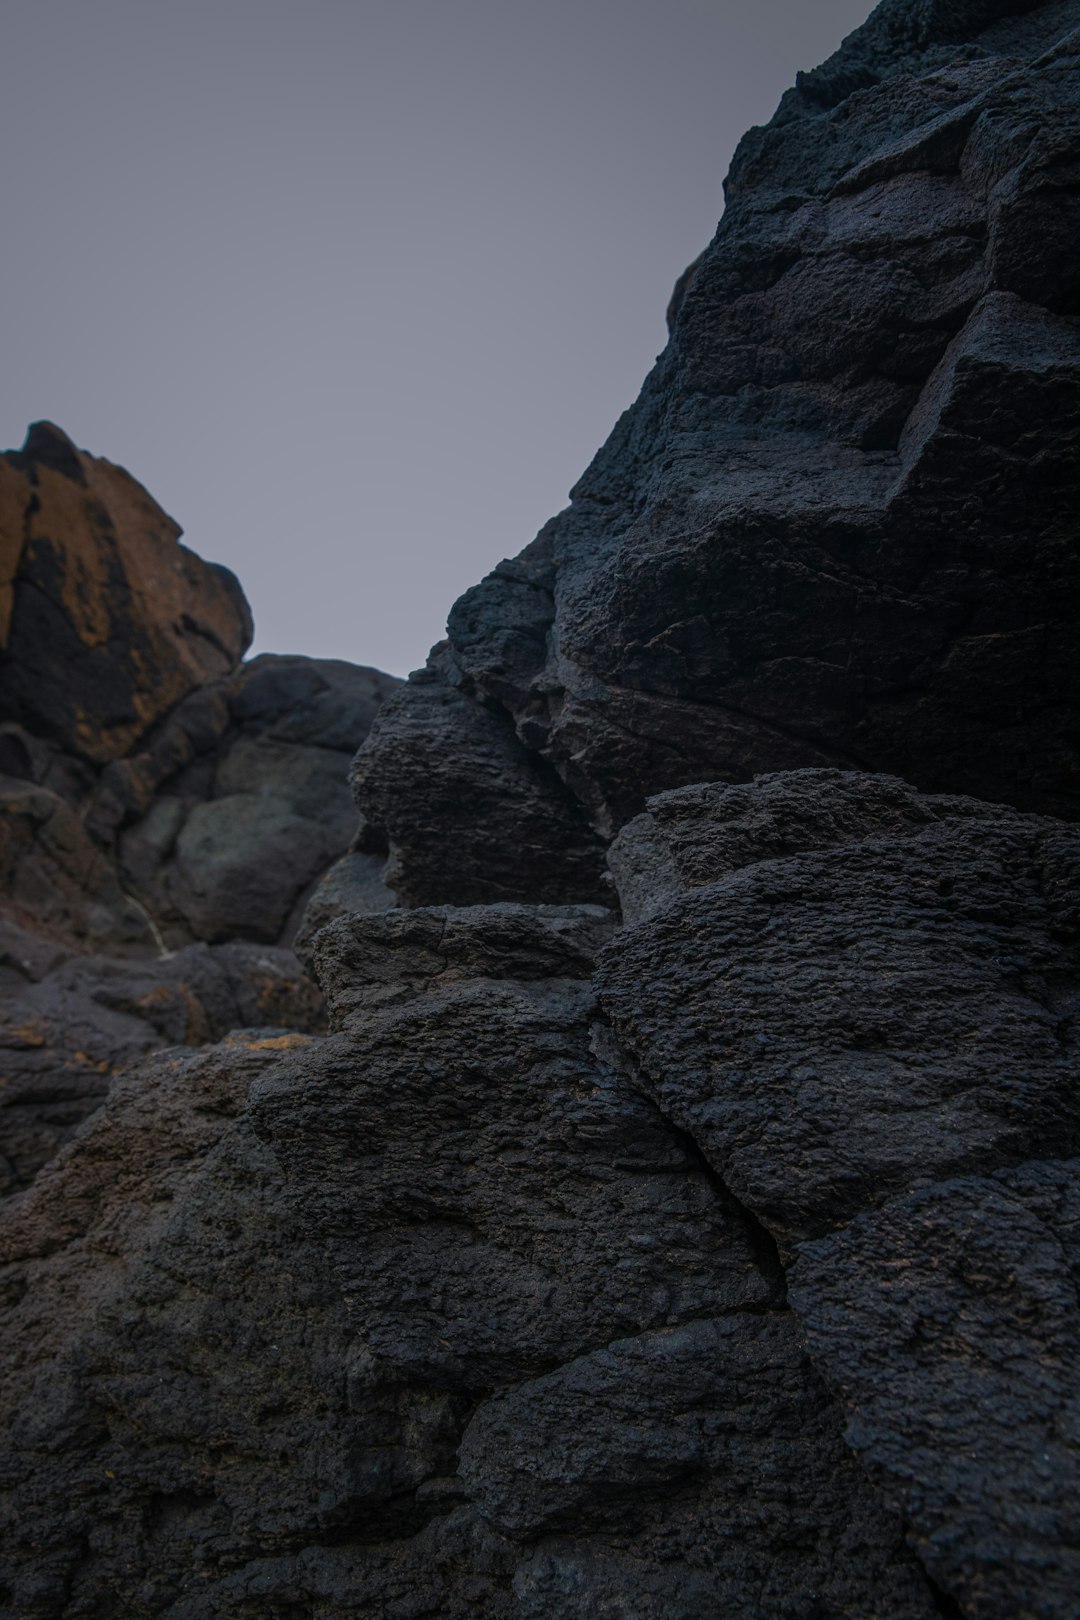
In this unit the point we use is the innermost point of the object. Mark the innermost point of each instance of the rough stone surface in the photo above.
(156, 796)
(485, 820)
(106, 622)
(422, 1229)
(950, 1321)
(65, 1038)
(689, 1238)
(353, 885)
(838, 527)
(918, 994)
(861, 1004)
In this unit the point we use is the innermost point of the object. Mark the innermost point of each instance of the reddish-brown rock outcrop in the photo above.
(164, 809)
(106, 621)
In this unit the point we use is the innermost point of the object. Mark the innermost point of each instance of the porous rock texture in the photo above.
(838, 527)
(679, 1218)
(164, 808)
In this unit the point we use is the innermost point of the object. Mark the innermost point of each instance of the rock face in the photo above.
(680, 1216)
(164, 809)
(477, 1305)
(522, 1263)
(106, 622)
(838, 527)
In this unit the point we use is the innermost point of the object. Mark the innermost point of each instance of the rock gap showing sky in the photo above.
(357, 287)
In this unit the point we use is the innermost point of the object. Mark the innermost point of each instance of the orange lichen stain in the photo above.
(77, 529)
(29, 1035)
(14, 498)
(155, 997)
(85, 1061)
(274, 1043)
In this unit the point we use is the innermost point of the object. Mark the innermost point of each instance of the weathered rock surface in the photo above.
(948, 1319)
(839, 525)
(861, 1004)
(680, 1217)
(106, 622)
(476, 1304)
(227, 823)
(156, 797)
(65, 1038)
(449, 1225)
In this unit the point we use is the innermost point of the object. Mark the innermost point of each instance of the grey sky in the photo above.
(357, 287)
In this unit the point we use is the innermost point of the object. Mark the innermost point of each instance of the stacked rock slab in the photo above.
(164, 809)
(680, 1218)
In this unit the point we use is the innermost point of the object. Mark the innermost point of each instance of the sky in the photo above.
(356, 288)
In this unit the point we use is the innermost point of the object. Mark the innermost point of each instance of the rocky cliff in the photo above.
(680, 1216)
(164, 808)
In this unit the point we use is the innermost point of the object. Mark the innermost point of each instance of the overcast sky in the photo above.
(357, 287)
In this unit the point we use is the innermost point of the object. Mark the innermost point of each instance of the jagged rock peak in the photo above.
(49, 446)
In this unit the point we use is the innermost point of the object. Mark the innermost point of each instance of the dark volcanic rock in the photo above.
(473, 1305)
(64, 1039)
(421, 1235)
(861, 1004)
(884, 1008)
(485, 821)
(839, 525)
(717, 1260)
(949, 1320)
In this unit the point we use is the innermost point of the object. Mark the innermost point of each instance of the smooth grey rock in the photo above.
(241, 864)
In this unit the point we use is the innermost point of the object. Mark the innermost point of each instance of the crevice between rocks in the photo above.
(763, 1244)
(944, 1603)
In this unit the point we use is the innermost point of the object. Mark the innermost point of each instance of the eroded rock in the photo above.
(108, 621)
(860, 1003)
(838, 526)
(480, 1303)
(156, 796)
